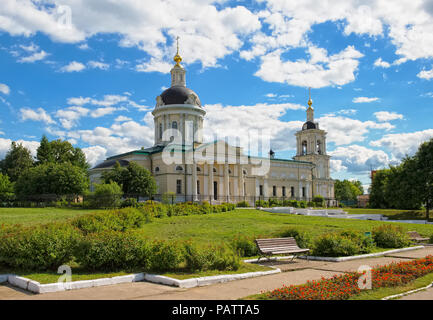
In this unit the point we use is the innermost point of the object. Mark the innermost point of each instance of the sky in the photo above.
(89, 72)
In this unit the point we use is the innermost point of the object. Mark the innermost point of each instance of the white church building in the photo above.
(218, 172)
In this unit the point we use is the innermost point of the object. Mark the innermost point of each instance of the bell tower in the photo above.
(311, 145)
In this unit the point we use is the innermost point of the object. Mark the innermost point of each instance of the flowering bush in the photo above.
(341, 287)
(390, 236)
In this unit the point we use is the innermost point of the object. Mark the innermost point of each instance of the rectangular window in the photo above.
(274, 191)
(261, 190)
(198, 186)
(178, 186)
(303, 192)
(284, 191)
(292, 192)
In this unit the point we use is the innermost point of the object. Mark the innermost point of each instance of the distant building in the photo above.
(363, 200)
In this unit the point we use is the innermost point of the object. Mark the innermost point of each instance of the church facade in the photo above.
(217, 172)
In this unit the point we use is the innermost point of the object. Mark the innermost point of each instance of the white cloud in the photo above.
(383, 116)
(401, 144)
(73, 66)
(364, 100)
(122, 119)
(100, 112)
(98, 65)
(95, 154)
(37, 56)
(4, 89)
(343, 130)
(382, 64)
(320, 71)
(425, 74)
(238, 121)
(5, 145)
(69, 117)
(356, 158)
(36, 115)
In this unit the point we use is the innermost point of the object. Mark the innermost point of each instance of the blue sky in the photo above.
(89, 72)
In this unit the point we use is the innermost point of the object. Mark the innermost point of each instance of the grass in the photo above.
(223, 227)
(32, 216)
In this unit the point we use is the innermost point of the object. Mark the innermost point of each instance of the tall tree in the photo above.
(17, 160)
(377, 189)
(52, 178)
(43, 153)
(424, 171)
(6, 187)
(134, 179)
(347, 190)
(59, 151)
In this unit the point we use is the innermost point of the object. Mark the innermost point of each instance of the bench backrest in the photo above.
(277, 243)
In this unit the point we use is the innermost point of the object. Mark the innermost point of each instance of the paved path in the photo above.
(294, 273)
(420, 295)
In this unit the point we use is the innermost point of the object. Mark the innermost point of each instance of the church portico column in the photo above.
(194, 182)
(210, 181)
(226, 182)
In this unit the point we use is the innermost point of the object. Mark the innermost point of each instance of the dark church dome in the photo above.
(178, 95)
(309, 125)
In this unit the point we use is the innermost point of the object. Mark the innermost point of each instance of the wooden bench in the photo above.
(276, 246)
(416, 237)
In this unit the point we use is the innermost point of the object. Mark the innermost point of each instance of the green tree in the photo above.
(378, 197)
(347, 190)
(6, 187)
(18, 159)
(424, 174)
(53, 178)
(43, 153)
(59, 151)
(134, 179)
(400, 190)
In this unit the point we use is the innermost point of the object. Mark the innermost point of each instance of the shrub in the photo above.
(302, 238)
(294, 203)
(318, 200)
(106, 196)
(311, 204)
(242, 204)
(169, 197)
(114, 220)
(210, 258)
(112, 250)
(40, 248)
(262, 203)
(130, 202)
(244, 246)
(335, 245)
(166, 256)
(302, 204)
(390, 236)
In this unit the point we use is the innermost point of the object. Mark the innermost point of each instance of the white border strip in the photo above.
(36, 287)
(361, 256)
(205, 281)
(407, 292)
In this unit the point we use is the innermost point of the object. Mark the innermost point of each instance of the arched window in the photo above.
(245, 172)
(157, 169)
(198, 169)
(174, 125)
(160, 131)
(179, 168)
(304, 148)
(319, 147)
(214, 170)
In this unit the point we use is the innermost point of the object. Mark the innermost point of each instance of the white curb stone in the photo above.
(361, 256)
(51, 287)
(4, 278)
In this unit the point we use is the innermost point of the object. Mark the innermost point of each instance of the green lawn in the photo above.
(214, 228)
(31, 216)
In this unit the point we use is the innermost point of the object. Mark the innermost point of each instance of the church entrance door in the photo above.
(215, 190)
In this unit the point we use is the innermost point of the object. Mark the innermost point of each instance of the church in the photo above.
(182, 164)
